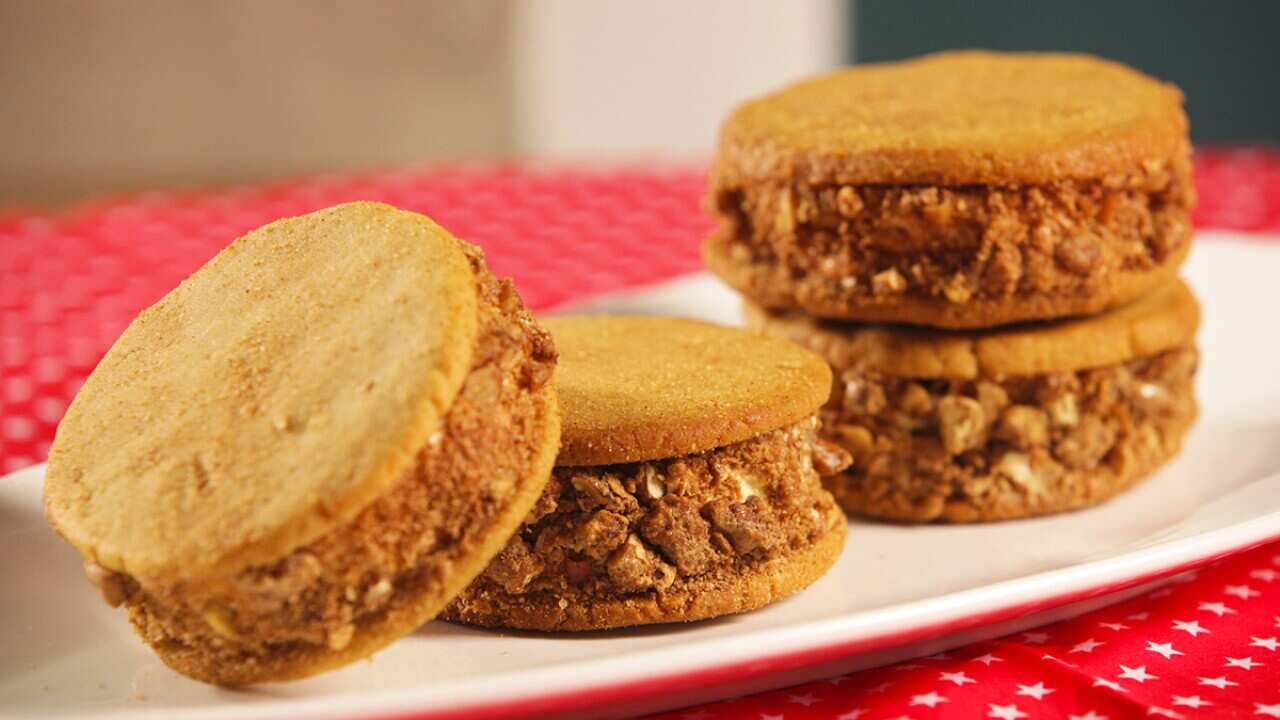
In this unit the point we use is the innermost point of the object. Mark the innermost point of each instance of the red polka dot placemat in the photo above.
(70, 282)
(1205, 646)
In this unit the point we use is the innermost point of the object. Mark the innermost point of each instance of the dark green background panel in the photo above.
(1224, 55)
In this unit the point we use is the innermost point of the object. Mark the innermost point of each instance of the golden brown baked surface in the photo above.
(396, 565)
(718, 532)
(1165, 318)
(957, 118)
(378, 573)
(268, 398)
(642, 388)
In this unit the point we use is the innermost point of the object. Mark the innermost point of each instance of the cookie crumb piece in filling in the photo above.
(616, 530)
(1001, 447)
(958, 243)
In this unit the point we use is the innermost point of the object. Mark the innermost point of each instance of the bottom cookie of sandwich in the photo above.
(1006, 423)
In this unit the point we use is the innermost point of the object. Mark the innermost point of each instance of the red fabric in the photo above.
(70, 282)
(1205, 646)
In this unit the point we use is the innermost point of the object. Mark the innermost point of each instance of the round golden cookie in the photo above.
(957, 118)
(959, 190)
(1165, 318)
(643, 388)
(1008, 423)
(310, 445)
(704, 495)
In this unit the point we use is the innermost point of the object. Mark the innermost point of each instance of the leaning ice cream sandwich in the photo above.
(308, 447)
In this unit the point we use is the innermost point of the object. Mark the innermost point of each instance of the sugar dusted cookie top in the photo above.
(958, 118)
(269, 397)
(644, 388)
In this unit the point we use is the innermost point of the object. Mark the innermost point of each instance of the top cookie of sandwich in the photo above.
(645, 388)
(955, 119)
(267, 399)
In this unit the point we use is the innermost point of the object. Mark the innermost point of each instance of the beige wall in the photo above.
(140, 93)
(622, 77)
(102, 96)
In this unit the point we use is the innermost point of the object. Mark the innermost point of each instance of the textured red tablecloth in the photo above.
(70, 282)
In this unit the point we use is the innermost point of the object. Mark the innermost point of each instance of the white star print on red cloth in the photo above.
(806, 700)
(1216, 608)
(932, 699)
(1270, 643)
(959, 678)
(1165, 657)
(1139, 673)
(1165, 650)
(1244, 663)
(1087, 646)
(1005, 712)
(1192, 628)
(1037, 691)
(1108, 684)
(1191, 701)
(1244, 592)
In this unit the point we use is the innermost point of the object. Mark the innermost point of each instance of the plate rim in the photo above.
(627, 677)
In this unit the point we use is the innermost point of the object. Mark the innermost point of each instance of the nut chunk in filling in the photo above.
(682, 538)
(997, 448)
(838, 251)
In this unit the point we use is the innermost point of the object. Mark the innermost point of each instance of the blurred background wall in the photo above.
(657, 77)
(109, 96)
(1223, 54)
(103, 96)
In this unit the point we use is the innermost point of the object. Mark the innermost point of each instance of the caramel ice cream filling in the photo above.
(999, 447)
(604, 532)
(957, 244)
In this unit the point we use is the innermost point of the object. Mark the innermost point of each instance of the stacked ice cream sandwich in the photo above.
(985, 249)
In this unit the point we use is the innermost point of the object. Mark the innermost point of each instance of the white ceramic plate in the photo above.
(897, 591)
